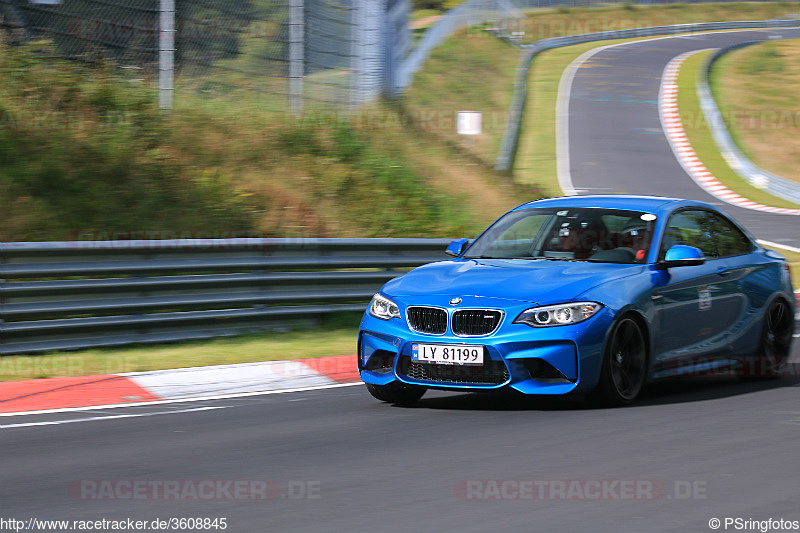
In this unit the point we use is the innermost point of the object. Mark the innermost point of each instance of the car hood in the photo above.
(537, 281)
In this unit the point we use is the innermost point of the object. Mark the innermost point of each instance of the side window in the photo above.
(730, 240)
(691, 228)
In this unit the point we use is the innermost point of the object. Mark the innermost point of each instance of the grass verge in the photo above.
(794, 261)
(757, 89)
(700, 137)
(333, 338)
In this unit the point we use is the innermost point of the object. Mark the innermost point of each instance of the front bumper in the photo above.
(552, 360)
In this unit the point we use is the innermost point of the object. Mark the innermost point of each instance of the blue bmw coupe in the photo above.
(590, 295)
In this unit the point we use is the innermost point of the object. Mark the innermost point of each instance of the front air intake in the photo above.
(431, 320)
(475, 322)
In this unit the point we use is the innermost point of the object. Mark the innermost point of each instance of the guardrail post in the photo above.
(367, 56)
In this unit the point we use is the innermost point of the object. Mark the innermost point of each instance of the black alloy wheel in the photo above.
(625, 363)
(776, 340)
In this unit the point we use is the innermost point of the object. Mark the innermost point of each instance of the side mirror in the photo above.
(457, 247)
(682, 255)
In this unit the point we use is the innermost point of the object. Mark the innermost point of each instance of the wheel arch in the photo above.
(640, 319)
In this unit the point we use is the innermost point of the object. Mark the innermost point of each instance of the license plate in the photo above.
(448, 354)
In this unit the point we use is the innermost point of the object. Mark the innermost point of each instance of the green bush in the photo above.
(87, 150)
(440, 5)
(428, 4)
(372, 187)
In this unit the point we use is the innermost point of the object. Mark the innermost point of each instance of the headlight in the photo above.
(558, 315)
(383, 308)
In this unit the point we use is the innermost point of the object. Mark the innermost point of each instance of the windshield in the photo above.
(575, 234)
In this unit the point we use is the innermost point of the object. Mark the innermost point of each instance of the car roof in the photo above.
(650, 204)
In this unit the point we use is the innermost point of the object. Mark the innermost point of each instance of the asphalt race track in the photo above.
(616, 143)
(696, 448)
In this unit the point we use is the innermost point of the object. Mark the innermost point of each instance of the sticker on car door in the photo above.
(704, 298)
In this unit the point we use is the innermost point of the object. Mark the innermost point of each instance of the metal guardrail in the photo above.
(508, 146)
(68, 295)
(754, 175)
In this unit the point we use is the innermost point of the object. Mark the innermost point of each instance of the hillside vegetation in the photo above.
(85, 150)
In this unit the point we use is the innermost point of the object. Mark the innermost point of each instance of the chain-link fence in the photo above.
(291, 53)
(91, 30)
(223, 45)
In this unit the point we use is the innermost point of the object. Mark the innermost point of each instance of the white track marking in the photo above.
(228, 379)
(179, 400)
(110, 417)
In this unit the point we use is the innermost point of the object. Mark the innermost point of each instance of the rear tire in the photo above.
(774, 344)
(404, 395)
(624, 367)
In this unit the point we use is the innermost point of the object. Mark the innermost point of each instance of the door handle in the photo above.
(723, 271)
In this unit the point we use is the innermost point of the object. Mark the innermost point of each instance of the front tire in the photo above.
(404, 395)
(624, 364)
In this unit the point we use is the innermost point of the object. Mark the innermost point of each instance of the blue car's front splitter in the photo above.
(553, 360)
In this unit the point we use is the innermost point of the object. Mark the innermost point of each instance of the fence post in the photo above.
(367, 55)
(396, 41)
(296, 59)
(166, 53)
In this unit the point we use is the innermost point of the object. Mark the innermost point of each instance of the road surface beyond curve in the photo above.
(615, 141)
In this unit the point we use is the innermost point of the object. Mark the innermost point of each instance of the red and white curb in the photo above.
(175, 385)
(676, 135)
